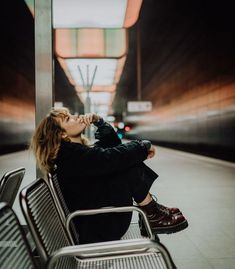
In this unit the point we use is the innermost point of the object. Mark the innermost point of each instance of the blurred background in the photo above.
(158, 70)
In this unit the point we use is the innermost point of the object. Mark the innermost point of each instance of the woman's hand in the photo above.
(89, 118)
(151, 152)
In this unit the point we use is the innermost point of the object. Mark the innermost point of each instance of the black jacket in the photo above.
(99, 176)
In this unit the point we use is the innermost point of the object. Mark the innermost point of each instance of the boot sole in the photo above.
(169, 230)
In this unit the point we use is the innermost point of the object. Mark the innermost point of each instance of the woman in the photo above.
(108, 173)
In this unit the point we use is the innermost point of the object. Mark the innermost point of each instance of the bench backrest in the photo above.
(10, 184)
(61, 205)
(44, 221)
(14, 249)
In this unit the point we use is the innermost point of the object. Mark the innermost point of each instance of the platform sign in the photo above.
(139, 106)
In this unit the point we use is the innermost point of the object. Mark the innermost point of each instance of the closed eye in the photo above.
(66, 118)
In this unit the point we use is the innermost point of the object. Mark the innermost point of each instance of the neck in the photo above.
(76, 139)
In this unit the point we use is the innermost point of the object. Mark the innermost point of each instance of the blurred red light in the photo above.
(127, 128)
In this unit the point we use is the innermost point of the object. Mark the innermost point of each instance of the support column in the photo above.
(44, 97)
(138, 65)
(43, 58)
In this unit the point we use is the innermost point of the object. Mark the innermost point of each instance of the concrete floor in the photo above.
(203, 188)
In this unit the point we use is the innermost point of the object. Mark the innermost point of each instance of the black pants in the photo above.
(134, 183)
(141, 178)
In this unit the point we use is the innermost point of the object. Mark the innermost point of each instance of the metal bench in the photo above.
(10, 184)
(14, 249)
(56, 248)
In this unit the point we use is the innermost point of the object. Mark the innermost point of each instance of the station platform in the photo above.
(203, 188)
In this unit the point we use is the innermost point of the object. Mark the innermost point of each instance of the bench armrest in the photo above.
(104, 210)
(107, 250)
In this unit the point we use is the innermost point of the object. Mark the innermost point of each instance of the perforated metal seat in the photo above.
(14, 249)
(10, 184)
(50, 235)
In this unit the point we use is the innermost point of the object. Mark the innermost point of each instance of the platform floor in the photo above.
(203, 188)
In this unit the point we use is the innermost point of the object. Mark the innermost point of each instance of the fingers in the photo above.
(88, 118)
(153, 149)
(150, 155)
(151, 152)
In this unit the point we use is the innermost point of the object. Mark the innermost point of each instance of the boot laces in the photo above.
(159, 206)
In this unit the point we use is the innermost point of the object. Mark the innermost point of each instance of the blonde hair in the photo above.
(47, 138)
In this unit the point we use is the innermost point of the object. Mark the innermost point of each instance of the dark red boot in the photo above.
(161, 221)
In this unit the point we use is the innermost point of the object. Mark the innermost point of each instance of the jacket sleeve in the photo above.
(102, 161)
(106, 135)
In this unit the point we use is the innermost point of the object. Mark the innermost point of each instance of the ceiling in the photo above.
(174, 34)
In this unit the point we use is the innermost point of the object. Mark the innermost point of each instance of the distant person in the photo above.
(107, 173)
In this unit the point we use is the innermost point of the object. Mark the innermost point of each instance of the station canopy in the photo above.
(95, 14)
(91, 43)
(101, 98)
(108, 71)
(91, 35)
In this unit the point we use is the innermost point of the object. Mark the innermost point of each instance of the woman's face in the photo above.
(72, 125)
